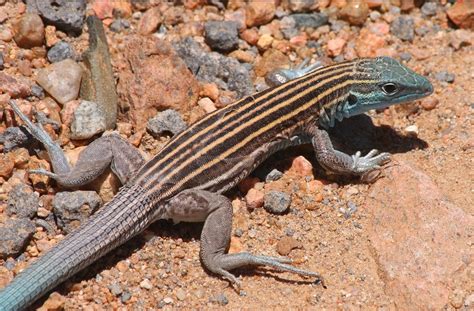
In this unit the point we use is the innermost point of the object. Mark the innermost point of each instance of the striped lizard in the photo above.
(186, 180)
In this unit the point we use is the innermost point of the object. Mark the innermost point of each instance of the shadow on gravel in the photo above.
(351, 135)
(359, 133)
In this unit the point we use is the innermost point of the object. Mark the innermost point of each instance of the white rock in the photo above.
(61, 80)
(88, 120)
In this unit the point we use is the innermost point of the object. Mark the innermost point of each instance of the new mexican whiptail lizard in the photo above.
(186, 179)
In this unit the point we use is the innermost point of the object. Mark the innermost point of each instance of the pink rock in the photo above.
(301, 167)
(254, 198)
(380, 29)
(29, 31)
(15, 87)
(259, 12)
(335, 46)
(420, 239)
(154, 79)
(150, 21)
(462, 14)
(368, 43)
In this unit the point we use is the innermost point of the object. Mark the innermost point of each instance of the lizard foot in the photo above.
(369, 162)
(221, 264)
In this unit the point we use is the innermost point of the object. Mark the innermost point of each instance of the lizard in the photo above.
(187, 179)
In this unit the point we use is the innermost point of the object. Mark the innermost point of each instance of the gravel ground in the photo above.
(403, 241)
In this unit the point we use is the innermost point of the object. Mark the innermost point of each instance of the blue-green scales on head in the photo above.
(383, 82)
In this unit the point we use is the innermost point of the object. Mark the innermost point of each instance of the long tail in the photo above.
(117, 221)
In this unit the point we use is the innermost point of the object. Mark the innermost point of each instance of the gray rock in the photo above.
(220, 299)
(37, 91)
(226, 72)
(119, 24)
(375, 15)
(60, 51)
(273, 175)
(115, 289)
(405, 56)
(166, 121)
(15, 137)
(403, 28)
(221, 35)
(73, 208)
(350, 210)
(88, 120)
(313, 20)
(126, 295)
(288, 27)
(422, 31)
(22, 202)
(276, 202)
(429, 8)
(1, 61)
(61, 80)
(445, 76)
(337, 25)
(302, 5)
(66, 15)
(14, 236)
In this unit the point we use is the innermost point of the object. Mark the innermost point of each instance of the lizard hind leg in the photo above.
(216, 211)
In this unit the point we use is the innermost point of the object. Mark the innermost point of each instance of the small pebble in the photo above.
(429, 103)
(89, 120)
(37, 91)
(220, 299)
(404, 56)
(276, 202)
(60, 51)
(412, 130)
(403, 28)
(351, 209)
(119, 25)
(61, 80)
(273, 175)
(166, 121)
(238, 232)
(456, 298)
(254, 198)
(146, 284)
(313, 20)
(429, 8)
(221, 36)
(445, 76)
(29, 31)
(286, 244)
(126, 295)
(180, 294)
(168, 300)
(115, 289)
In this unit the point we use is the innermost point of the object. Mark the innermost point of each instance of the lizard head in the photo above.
(383, 82)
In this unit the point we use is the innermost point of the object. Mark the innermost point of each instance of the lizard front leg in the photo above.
(113, 150)
(216, 211)
(340, 162)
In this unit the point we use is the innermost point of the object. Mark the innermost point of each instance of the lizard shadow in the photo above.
(351, 135)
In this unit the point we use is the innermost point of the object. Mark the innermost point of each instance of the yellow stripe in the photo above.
(320, 75)
(253, 135)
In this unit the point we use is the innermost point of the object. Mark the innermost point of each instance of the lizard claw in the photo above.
(369, 162)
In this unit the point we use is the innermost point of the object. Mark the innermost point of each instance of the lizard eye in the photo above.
(351, 101)
(390, 88)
